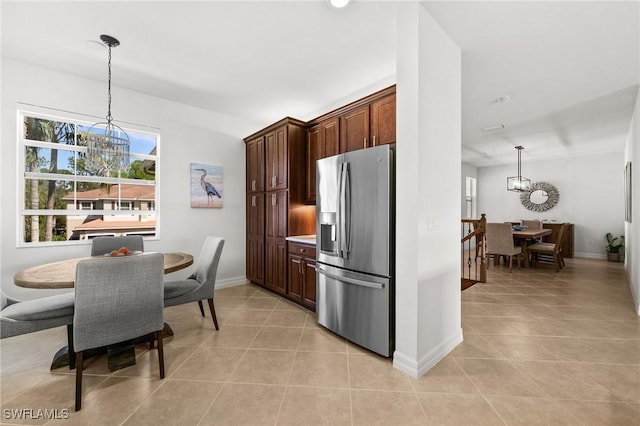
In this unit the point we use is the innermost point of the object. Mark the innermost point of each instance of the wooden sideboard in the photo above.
(567, 248)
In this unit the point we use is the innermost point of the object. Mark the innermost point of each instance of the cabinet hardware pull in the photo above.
(364, 142)
(273, 199)
(301, 250)
(273, 181)
(374, 141)
(253, 201)
(253, 185)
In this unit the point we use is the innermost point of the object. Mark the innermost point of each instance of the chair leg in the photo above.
(556, 260)
(152, 338)
(201, 307)
(158, 335)
(79, 380)
(70, 351)
(213, 314)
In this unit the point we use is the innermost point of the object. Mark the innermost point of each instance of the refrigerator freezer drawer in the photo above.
(355, 306)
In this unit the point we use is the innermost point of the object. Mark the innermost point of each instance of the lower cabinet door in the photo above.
(295, 278)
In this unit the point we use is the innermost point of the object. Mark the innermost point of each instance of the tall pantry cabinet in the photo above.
(276, 174)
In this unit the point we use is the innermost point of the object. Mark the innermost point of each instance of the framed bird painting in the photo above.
(207, 189)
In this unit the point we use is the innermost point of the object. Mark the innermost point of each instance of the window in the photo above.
(470, 198)
(57, 191)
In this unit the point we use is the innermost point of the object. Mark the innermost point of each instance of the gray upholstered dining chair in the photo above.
(117, 299)
(104, 245)
(500, 243)
(201, 284)
(18, 317)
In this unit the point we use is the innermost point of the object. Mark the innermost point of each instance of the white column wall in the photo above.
(427, 192)
(632, 229)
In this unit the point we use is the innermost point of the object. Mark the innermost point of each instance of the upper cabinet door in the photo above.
(383, 121)
(322, 141)
(354, 129)
(277, 159)
(255, 165)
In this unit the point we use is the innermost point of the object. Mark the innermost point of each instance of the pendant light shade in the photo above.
(107, 144)
(519, 183)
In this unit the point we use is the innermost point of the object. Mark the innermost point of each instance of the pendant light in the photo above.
(518, 183)
(107, 144)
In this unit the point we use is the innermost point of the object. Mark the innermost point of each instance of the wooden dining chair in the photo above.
(117, 299)
(500, 243)
(531, 224)
(550, 251)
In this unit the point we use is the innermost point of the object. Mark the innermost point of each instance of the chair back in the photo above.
(117, 299)
(560, 238)
(500, 238)
(104, 245)
(531, 224)
(207, 263)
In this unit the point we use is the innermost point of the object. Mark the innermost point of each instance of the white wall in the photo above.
(187, 135)
(591, 197)
(427, 192)
(632, 230)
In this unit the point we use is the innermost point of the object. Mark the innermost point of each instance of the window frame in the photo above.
(24, 111)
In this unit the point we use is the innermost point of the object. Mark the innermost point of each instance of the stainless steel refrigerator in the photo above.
(355, 246)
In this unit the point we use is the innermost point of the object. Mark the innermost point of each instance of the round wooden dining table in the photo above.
(62, 274)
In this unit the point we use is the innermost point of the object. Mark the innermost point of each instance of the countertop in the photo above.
(304, 239)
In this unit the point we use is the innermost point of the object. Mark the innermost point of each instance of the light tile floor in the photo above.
(540, 348)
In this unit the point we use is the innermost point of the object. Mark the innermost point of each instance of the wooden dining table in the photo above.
(525, 235)
(62, 274)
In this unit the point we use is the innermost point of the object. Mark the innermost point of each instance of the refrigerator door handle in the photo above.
(344, 212)
(378, 286)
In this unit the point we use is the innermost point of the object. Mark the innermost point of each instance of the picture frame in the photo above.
(628, 197)
(206, 185)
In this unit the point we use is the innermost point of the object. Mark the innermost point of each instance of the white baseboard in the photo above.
(418, 368)
(590, 255)
(231, 282)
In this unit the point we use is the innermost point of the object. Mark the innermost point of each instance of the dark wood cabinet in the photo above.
(567, 245)
(282, 199)
(302, 274)
(276, 164)
(354, 129)
(255, 165)
(276, 234)
(255, 237)
(383, 121)
(322, 141)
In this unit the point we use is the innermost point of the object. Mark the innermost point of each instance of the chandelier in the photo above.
(518, 183)
(107, 144)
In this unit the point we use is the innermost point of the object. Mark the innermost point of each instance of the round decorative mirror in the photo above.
(542, 197)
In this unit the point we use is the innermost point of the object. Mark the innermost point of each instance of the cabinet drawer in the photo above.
(303, 250)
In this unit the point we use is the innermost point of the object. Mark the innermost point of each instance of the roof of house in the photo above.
(100, 224)
(128, 192)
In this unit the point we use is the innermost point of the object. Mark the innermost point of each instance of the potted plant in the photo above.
(615, 247)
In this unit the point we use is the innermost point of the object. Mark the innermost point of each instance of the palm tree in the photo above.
(48, 131)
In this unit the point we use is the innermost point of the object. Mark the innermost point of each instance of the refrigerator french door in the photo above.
(355, 246)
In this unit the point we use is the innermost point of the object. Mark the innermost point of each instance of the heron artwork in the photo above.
(213, 194)
(209, 188)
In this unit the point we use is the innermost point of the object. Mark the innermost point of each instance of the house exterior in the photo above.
(134, 198)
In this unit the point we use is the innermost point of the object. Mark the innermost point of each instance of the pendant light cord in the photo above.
(109, 117)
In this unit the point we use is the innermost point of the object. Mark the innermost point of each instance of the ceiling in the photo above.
(571, 69)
